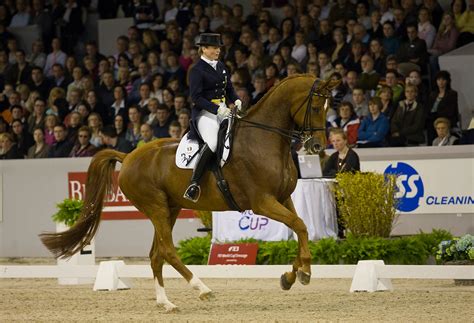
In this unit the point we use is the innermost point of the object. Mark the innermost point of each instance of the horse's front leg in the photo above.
(286, 214)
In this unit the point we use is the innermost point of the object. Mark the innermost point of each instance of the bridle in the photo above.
(301, 134)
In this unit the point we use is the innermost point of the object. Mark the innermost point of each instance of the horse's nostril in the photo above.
(312, 146)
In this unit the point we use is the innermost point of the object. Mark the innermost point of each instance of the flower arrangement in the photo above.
(69, 211)
(457, 249)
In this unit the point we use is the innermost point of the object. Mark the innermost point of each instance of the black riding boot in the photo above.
(194, 190)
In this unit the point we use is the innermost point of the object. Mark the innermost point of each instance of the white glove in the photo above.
(223, 111)
(238, 104)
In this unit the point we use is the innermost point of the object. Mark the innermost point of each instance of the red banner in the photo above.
(116, 206)
(233, 254)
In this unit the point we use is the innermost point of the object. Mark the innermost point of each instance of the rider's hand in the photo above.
(238, 105)
(223, 111)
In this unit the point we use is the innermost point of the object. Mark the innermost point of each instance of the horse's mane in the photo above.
(274, 87)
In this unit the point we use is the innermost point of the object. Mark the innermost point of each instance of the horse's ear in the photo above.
(332, 84)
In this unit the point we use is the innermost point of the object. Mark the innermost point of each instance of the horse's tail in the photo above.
(99, 183)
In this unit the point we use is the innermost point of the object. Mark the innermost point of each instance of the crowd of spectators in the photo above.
(63, 98)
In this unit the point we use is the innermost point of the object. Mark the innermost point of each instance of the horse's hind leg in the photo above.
(163, 221)
(287, 215)
(157, 267)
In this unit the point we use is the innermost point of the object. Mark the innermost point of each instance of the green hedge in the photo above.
(413, 250)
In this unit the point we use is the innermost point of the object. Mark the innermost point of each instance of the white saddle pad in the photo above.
(188, 149)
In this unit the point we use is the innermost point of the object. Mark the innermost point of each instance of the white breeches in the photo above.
(208, 126)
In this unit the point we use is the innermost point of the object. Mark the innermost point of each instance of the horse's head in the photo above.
(310, 100)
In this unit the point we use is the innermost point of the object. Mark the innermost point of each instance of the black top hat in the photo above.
(207, 39)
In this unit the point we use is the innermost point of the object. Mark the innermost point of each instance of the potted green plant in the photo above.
(458, 251)
(68, 212)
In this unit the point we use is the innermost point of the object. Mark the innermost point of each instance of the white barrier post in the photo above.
(107, 276)
(366, 280)
(86, 256)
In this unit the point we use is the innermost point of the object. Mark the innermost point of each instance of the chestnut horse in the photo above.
(261, 175)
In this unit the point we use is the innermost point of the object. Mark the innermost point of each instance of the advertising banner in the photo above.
(430, 186)
(116, 206)
(233, 254)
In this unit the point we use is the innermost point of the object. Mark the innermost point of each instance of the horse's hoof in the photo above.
(285, 284)
(171, 308)
(304, 278)
(207, 296)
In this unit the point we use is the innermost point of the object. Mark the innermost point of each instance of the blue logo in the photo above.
(249, 221)
(409, 184)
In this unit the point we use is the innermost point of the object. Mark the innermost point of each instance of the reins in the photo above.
(307, 123)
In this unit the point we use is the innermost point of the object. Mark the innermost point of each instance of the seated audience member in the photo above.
(359, 101)
(414, 50)
(40, 149)
(325, 67)
(442, 103)
(62, 147)
(347, 121)
(260, 85)
(111, 140)
(443, 129)
(50, 121)
(369, 79)
(83, 148)
(175, 130)
(337, 96)
(120, 126)
(146, 134)
(95, 124)
(8, 148)
(374, 127)
(36, 119)
(21, 136)
(391, 80)
(73, 125)
(133, 129)
(388, 107)
(344, 159)
(163, 116)
(407, 124)
(184, 118)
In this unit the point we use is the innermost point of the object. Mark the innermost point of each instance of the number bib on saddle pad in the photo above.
(188, 149)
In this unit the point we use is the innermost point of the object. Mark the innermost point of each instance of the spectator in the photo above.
(391, 80)
(259, 84)
(75, 122)
(347, 121)
(299, 51)
(385, 11)
(351, 83)
(21, 18)
(143, 77)
(133, 130)
(443, 131)
(39, 83)
(442, 103)
(83, 148)
(388, 106)
(37, 57)
(62, 147)
(36, 119)
(426, 30)
(359, 101)
(340, 50)
(113, 141)
(50, 121)
(337, 96)
(464, 22)
(59, 107)
(376, 29)
(97, 106)
(144, 98)
(57, 56)
(180, 103)
(40, 149)
(20, 71)
(119, 105)
(58, 78)
(21, 136)
(120, 126)
(164, 120)
(407, 124)
(374, 128)
(325, 67)
(184, 118)
(362, 9)
(175, 130)
(17, 112)
(342, 11)
(95, 124)
(353, 60)
(42, 18)
(344, 159)
(74, 99)
(8, 148)
(361, 35)
(92, 52)
(325, 35)
(76, 83)
(445, 40)
(414, 50)
(369, 79)
(146, 134)
(106, 89)
(391, 43)
(377, 53)
(72, 25)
